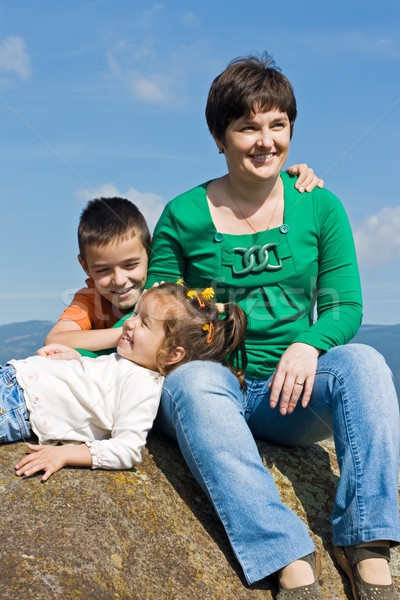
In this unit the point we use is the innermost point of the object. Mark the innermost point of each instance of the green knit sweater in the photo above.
(277, 276)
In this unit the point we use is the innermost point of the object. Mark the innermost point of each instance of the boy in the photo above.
(114, 245)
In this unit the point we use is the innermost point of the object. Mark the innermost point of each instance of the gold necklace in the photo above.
(247, 221)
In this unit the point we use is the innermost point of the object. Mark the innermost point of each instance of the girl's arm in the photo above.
(51, 459)
(134, 417)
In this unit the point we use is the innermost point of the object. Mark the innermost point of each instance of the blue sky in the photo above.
(102, 97)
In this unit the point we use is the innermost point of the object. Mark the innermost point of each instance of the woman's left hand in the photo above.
(293, 376)
(307, 179)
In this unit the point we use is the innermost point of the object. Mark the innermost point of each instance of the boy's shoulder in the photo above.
(90, 310)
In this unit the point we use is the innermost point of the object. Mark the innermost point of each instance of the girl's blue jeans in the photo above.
(14, 415)
(215, 425)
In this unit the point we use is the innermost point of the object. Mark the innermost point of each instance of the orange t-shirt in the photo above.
(90, 310)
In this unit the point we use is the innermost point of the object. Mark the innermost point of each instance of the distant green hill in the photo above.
(18, 340)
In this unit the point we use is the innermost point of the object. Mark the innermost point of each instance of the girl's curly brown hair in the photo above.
(206, 330)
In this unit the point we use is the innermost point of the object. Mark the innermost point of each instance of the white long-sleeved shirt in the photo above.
(108, 401)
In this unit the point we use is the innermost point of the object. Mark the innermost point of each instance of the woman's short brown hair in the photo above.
(248, 84)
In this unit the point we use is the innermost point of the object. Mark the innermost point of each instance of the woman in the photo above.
(258, 242)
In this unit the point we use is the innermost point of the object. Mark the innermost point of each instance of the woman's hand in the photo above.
(307, 179)
(51, 459)
(58, 352)
(297, 366)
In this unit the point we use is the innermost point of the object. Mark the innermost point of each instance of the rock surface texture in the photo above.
(148, 534)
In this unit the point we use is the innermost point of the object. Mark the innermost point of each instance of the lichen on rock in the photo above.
(150, 533)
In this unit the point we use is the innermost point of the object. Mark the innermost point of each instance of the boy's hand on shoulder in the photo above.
(307, 179)
(58, 352)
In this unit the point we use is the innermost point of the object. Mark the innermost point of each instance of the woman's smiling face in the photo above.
(256, 146)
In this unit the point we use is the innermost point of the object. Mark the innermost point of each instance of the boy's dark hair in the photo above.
(106, 220)
(206, 330)
(248, 84)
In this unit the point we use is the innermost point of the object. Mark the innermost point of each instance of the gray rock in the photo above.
(148, 534)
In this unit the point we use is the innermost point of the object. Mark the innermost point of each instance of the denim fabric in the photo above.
(214, 423)
(14, 415)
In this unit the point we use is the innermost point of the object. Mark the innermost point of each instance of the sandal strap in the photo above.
(348, 556)
(356, 554)
(305, 592)
(311, 559)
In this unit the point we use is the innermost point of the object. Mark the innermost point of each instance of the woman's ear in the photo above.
(220, 145)
(176, 356)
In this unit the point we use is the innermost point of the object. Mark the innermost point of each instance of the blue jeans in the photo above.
(14, 415)
(215, 425)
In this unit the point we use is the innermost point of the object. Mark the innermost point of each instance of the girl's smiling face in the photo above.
(143, 334)
(256, 146)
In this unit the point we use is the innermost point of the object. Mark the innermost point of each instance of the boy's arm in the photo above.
(69, 333)
(51, 459)
(58, 351)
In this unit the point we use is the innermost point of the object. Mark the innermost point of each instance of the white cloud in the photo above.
(154, 9)
(149, 90)
(189, 18)
(14, 57)
(378, 238)
(156, 88)
(151, 205)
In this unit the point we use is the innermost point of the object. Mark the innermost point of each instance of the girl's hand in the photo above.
(49, 459)
(58, 352)
(307, 180)
(297, 365)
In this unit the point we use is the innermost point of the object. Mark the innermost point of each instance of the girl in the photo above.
(101, 409)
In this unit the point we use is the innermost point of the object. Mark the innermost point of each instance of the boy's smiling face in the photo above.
(118, 269)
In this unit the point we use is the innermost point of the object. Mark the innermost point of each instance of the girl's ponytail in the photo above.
(234, 326)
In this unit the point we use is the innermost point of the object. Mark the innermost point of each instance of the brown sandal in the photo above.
(349, 556)
(304, 592)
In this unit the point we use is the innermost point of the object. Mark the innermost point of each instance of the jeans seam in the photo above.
(25, 433)
(352, 446)
(210, 488)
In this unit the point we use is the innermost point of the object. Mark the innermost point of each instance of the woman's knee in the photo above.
(358, 376)
(358, 360)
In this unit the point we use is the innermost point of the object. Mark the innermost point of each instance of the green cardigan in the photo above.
(277, 276)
